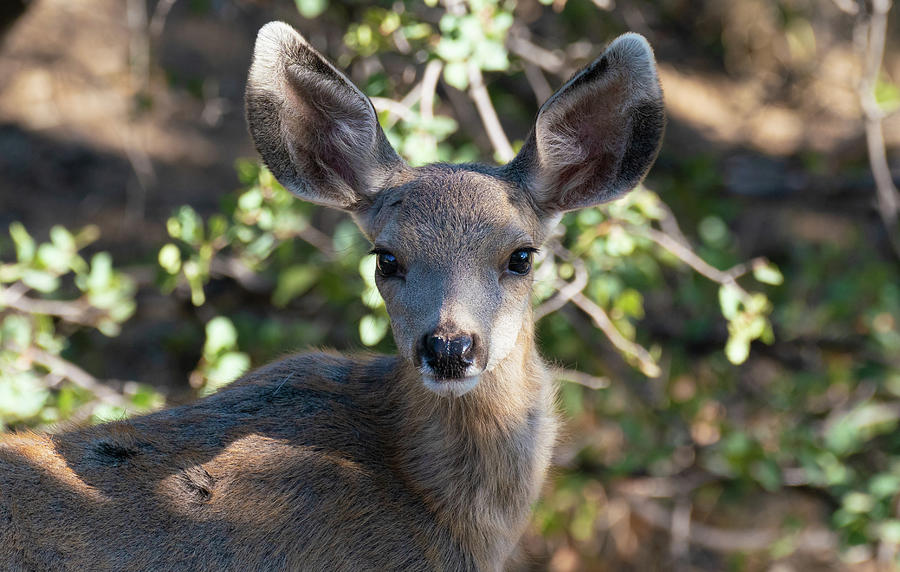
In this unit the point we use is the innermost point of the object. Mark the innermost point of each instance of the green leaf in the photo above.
(53, 258)
(768, 273)
(887, 94)
(221, 335)
(889, 531)
(372, 329)
(737, 349)
(729, 301)
(62, 238)
(195, 278)
(767, 474)
(16, 331)
(170, 258)
(250, 200)
(371, 297)
(25, 247)
(21, 396)
(492, 56)
(857, 502)
(40, 280)
(714, 231)
(101, 271)
(885, 485)
(311, 8)
(104, 412)
(227, 368)
(294, 281)
(619, 242)
(457, 75)
(186, 225)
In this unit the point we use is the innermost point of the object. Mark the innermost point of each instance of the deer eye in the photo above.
(386, 264)
(520, 261)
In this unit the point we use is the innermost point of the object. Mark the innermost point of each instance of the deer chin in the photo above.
(452, 388)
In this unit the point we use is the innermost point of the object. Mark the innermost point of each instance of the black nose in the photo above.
(448, 355)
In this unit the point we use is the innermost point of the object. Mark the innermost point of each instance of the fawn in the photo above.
(427, 460)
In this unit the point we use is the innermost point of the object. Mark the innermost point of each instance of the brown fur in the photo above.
(325, 462)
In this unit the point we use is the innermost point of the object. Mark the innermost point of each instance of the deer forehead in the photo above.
(442, 210)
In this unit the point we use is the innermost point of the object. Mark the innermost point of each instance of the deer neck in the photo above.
(478, 461)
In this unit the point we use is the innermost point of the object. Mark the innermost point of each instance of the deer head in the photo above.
(454, 243)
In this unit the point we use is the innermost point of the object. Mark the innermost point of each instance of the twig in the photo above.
(541, 57)
(139, 43)
(888, 196)
(78, 376)
(429, 85)
(690, 258)
(234, 268)
(144, 172)
(581, 378)
(318, 239)
(479, 94)
(680, 528)
(158, 20)
(539, 84)
(847, 6)
(602, 321)
(394, 109)
(724, 540)
(564, 290)
(398, 109)
(74, 311)
(669, 224)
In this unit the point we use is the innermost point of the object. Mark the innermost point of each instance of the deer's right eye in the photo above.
(386, 264)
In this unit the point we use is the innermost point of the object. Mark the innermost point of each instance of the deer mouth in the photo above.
(452, 387)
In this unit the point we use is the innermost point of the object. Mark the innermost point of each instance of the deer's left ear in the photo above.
(595, 138)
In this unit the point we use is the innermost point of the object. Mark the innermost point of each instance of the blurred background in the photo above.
(728, 336)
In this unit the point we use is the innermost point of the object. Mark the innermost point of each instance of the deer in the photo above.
(429, 459)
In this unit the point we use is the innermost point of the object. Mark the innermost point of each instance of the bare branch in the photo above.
(75, 311)
(689, 257)
(394, 108)
(530, 52)
(564, 290)
(78, 376)
(626, 346)
(724, 540)
(847, 6)
(429, 85)
(888, 196)
(158, 20)
(318, 239)
(669, 224)
(539, 84)
(680, 529)
(581, 378)
(479, 94)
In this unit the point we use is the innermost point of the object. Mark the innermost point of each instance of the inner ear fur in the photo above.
(316, 131)
(595, 138)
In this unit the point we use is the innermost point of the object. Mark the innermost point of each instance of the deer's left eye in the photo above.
(386, 264)
(520, 261)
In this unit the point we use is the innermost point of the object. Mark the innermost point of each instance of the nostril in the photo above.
(435, 347)
(461, 348)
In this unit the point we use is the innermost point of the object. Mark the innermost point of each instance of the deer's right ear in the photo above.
(316, 131)
(596, 137)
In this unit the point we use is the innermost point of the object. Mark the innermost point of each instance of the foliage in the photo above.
(684, 365)
(47, 293)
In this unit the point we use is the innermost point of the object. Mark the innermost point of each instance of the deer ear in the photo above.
(316, 131)
(595, 138)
